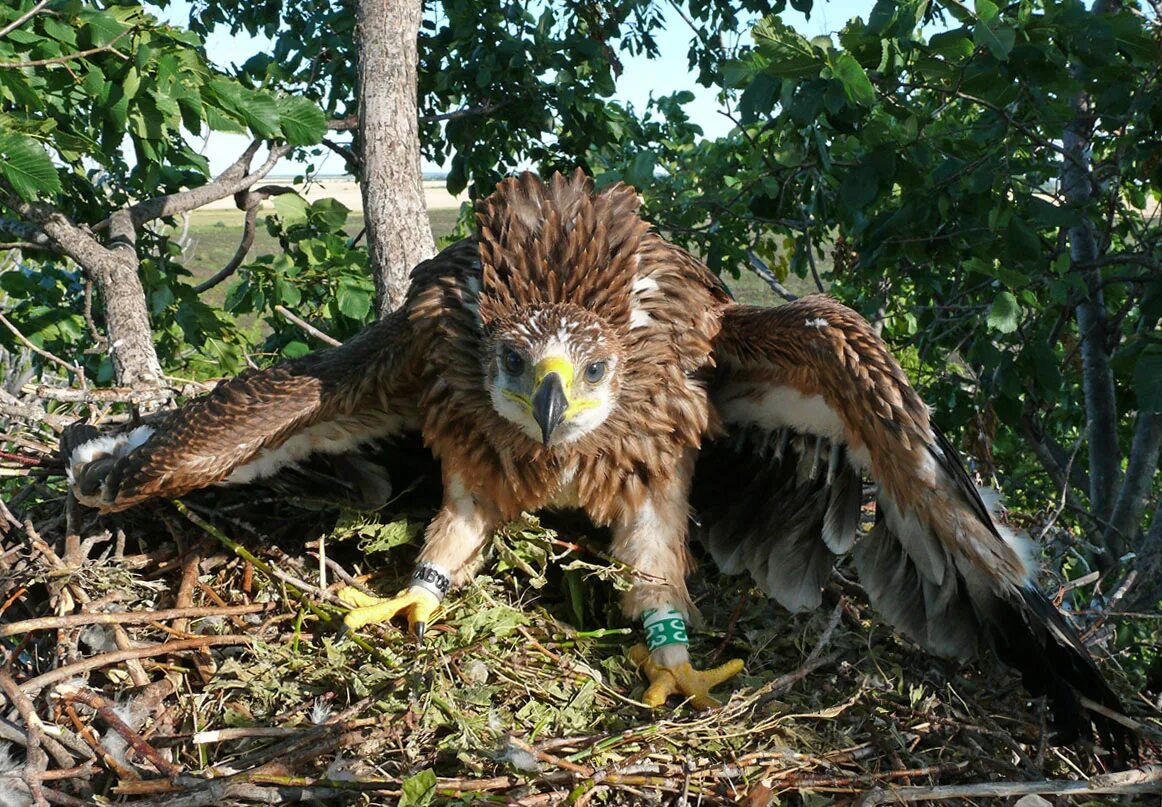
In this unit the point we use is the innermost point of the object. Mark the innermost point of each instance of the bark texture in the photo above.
(399, 235)
(114, 273)
(1078, 185)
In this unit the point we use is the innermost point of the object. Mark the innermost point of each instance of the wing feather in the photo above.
(812, 376)
(253, 425)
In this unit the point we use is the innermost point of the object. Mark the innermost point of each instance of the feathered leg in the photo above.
(452, 550)
(653, 541)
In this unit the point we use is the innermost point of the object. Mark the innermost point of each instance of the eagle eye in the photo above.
(514, 363)
(595, 372)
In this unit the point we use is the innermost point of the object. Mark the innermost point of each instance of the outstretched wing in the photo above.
(251, 426)
(811, 401)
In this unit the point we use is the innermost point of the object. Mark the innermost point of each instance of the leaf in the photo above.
(791, 55)
(353, 298)
(103, 28)
(858, 188)
(27, 166)
(291, 208)
(419, 790)
(986, 10)
(330, 213)
(999, 39)
(1005, 313)
(303, 123)
(261, 112)
(952, 45)
(640, 171)
(856, 85)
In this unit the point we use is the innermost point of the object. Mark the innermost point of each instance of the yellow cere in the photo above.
(554, 364)
(564, 369)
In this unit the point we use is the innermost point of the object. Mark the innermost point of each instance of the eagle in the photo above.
(568, 356)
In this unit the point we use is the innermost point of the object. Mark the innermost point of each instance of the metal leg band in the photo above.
(431, 577)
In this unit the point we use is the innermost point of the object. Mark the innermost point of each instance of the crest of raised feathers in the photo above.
(554, 242)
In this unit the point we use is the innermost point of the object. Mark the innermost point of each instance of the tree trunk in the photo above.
(399, 234)
(1077, 185)
(114, 273)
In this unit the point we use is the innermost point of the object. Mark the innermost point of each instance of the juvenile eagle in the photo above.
(568, 357)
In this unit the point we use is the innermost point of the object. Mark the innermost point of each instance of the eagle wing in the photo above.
(328, 402)
(811, 401)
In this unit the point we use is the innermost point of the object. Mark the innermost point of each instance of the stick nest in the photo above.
(241, 689)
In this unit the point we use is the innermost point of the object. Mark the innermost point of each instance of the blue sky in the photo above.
(640, 78)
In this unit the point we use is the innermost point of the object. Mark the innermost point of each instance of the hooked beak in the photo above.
(549, 404)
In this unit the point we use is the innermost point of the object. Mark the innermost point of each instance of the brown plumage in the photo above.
(567, 356)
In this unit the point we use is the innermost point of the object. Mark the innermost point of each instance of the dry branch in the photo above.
(34, 685)
(126, 618)
(1147, 779)
(308, 327)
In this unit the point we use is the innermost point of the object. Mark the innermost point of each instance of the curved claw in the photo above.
(681, 679)
(417, 603)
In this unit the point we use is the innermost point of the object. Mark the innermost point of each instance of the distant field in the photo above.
(213, 236)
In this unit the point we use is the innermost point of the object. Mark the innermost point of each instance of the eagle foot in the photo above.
(681, 679)
(417, 603)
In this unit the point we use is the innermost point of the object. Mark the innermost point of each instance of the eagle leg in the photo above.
(679, 678)
(419, 604)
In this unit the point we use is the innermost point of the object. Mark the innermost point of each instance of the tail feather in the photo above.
(1031, 635)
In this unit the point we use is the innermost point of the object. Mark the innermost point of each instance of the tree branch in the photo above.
(308, 327)
(250, 203)
(343, 124)
(760, 268)
(24, 340)
(349, 156)
(234, 179)
(1149, 565)
(22, 229)
(19, 21)
(1077, 182)
(72, 56)
(1140, 468)
(1053, 456)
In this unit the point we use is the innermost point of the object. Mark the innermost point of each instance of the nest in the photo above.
(191, 653)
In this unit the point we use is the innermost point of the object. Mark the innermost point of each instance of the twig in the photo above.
(1147, 779)
(760, 268)
(35, 685)
(250, 201)
(37, 760)
(72, 56)
(127, 618)
(308, 327)
(25, 17)
(99, 704)
(72, 368)
(126, 395)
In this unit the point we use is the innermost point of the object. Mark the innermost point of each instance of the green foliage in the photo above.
(319, 273)
(932, 154)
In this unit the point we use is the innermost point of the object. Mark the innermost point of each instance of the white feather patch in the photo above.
(778, 407)
(334, 437)
(1018, 541)
(117, 445)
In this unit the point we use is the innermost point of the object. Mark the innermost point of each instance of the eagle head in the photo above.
(552, 370)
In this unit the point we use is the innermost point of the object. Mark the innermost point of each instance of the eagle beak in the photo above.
(549, 404)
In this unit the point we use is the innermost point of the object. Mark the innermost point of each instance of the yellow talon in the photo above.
(417, 603)
(682, 679)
